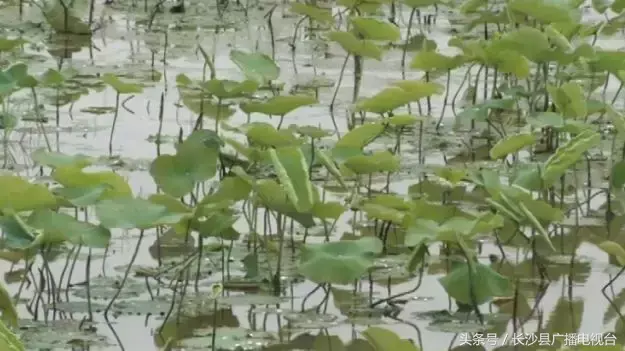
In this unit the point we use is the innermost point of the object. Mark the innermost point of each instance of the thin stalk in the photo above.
(277, 280)
(123, 282)
(114, 122)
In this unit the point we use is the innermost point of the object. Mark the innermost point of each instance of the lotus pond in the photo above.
(310, 175)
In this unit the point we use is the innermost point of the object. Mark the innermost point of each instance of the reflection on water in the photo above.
(553, 294)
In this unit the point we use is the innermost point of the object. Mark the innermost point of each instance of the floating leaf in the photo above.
(230, 188)
(279, 105)
(195, 161)
(330, 165)
(9, 313)
(354, 46)
(119, 86)
(617, 177)
(509, 61)
(511, 144)
(225, 89)
(272, 196)
(63, 19)
(546, 119)
(419, 89)
(18, 235)
(328, 210)
(10, 44)
(379, 161)
(321, 15)
(339, 262)
(131, 213)
(215, 220)
(618, 6)
(14, 78)
(75, 231)
(264, 134)
(311, 131)
(517, 40)
(375, 29)
(256, 66)
(360, 136)
(430, 61)
(570, 99)
(52, 78)
(404, 120)
(387, 100)
(601, 5)
(567, 155)
(370, 6)
(56, 159)
(8, 121)
(614, 249)
(17, 194)
(292, 169)
(475, 284)
(207, 107)
(82, 197)
(384, 213)
(384, 340)
(8, 340)
(75, 177)
(544, 11)
(558, 39)
(421, 3)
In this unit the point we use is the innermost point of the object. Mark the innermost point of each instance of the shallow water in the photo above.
(122, 49)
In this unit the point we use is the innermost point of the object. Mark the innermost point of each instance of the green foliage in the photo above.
(383, 339)
(17, 195)
(279, 105)
(525, 87)
(195, 161)
(292, 169)
(339, 262)
(64, 19)
(256, 66)
(475, 283)
(355, 46)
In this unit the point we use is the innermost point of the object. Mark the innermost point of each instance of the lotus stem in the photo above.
(126, 274)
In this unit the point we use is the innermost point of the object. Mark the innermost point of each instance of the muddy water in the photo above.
(121, 48)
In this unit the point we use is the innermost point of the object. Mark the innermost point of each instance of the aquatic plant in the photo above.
(476, 169)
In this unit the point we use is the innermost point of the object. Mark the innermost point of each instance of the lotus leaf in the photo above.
(511, 144)
(119, 86)
(73, 230)
(225, 89)
(264, 134)
(195, 161)
(17, 194)
(8, 340)
(339, 262)
(321, 15)
(57, 159)
(354, 46)
(62, 20)
(375, 29)
(131, 213)
(256, 66)
(475, 284)
(360, 136)
(384, 340)
(279, 105)
(292, 169)
(379, 161)
(72, 176)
